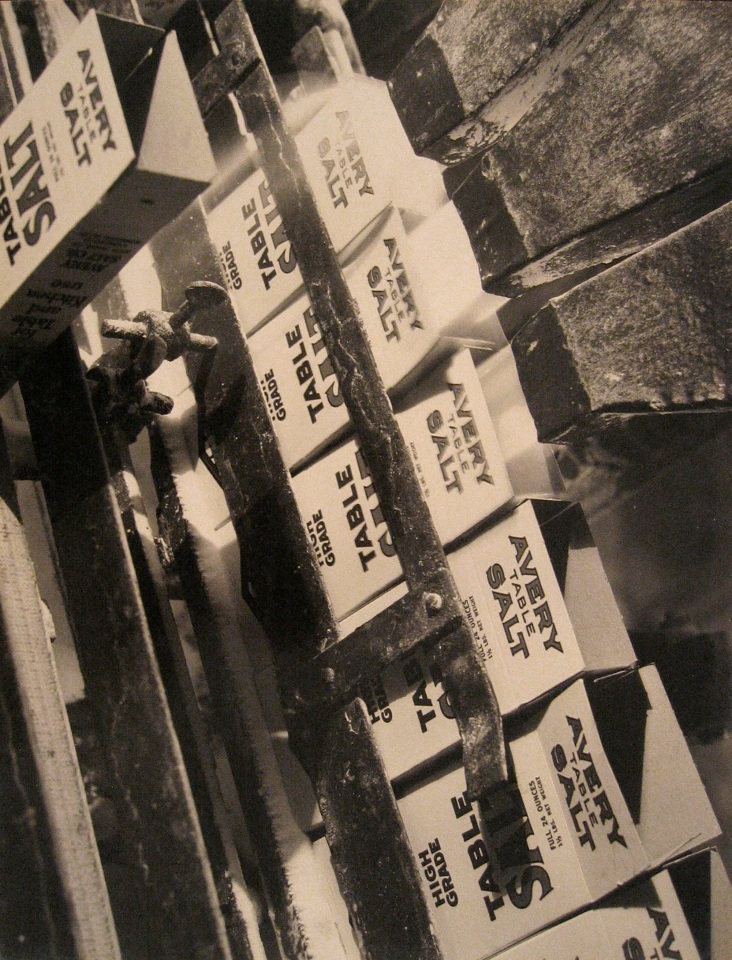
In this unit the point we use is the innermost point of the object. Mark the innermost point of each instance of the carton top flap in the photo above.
(163, 117)
(592, 606)
(126, 43)
(692, 880)
(676, 816)
(721, 910)
(620, 708)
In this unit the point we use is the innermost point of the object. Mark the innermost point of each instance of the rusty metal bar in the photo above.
(53, 900)
(235, 701)
(151, 791)
(415, 539)
(373, 862)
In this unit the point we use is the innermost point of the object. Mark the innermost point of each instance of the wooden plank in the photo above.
(53, 899)
(151, 792)
(321, 59)
(613, 241)
(190, 726)
(649, 335)
(302, 925)
(479, 66)
(641, 113)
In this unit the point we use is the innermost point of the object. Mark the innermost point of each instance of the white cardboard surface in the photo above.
(584, 843)
(458, 463)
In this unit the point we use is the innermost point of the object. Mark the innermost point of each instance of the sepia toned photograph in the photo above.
(365, 480)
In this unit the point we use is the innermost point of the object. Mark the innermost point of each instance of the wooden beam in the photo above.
(151, 791)
(647, 336)
(191, 728)
(632, 142)
(53, 900)
(479, 66)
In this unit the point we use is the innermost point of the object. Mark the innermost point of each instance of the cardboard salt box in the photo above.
(605, 789)
(90, 169)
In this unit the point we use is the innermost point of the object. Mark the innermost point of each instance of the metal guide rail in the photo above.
(132, 661)
(319, 677)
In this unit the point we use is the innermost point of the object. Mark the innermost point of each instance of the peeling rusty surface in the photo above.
(392, 471)
(417, 618)
(228, 68)
(151, 791)
(229, 691)
(367, 839)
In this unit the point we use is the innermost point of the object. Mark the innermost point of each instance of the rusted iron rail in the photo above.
(280, 574)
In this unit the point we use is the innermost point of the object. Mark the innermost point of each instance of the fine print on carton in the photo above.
(63, 145)
(80, 189)
(353, 179)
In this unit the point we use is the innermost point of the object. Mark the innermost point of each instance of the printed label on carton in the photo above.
(493, 880)
(61, 149)
(353, 180)
(455, 450)
(342, 178)
(515, 610)
(247, 229)
(557, 840)
(597, 816)
(256, 256)
(296, 373)
(461, 473)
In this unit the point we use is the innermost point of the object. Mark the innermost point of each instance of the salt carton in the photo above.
(89, 171)
(590, 809)
(453, 445)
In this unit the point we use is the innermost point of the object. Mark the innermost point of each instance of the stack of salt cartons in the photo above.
(589, 736)
(353, 180)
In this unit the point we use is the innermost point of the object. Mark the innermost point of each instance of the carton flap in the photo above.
(692, 879)
(126, 43)
(163, 117)
(676, 815)
(721, 912)
(620, 707)
(588, 595)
